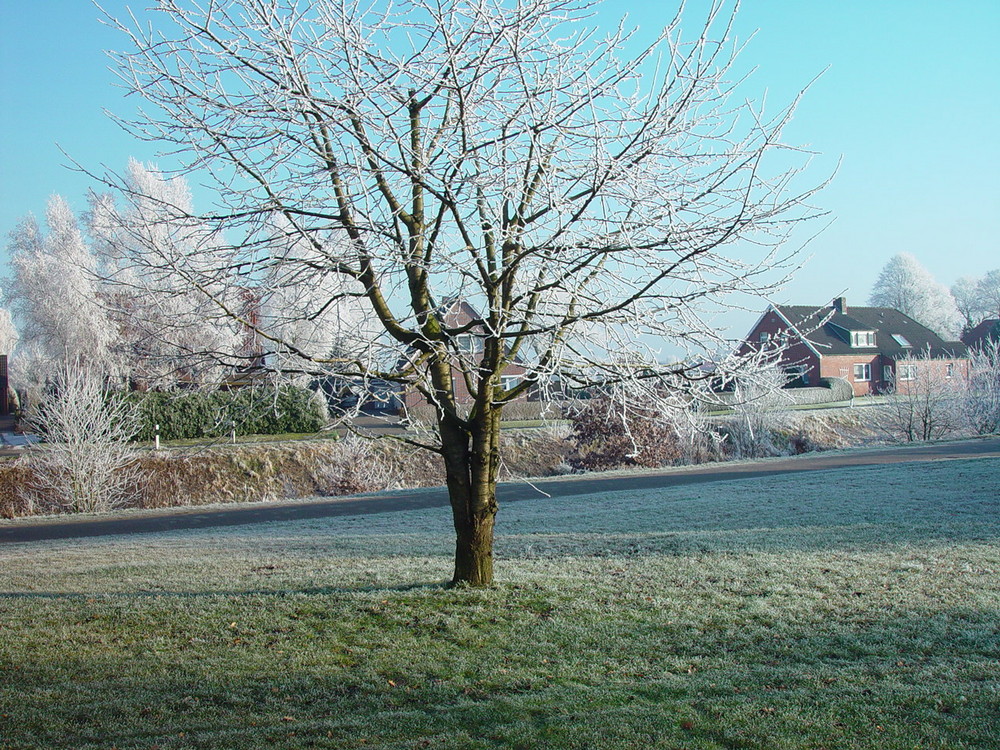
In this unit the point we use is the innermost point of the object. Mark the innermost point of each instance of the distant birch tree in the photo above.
(589, 202)
(308, 317)
(978, 299)
(55, 299)
(168, 331)
(8, 332)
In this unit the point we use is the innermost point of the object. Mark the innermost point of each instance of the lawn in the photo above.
(850, 609)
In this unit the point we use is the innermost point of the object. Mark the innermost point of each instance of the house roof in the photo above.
(988, 330)
(456, 312)
(897, 335)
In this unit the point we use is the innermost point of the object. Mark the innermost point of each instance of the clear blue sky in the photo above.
(910, 101)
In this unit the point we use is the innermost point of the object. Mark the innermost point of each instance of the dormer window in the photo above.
(861, 339)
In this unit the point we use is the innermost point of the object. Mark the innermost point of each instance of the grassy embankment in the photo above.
(852, 609)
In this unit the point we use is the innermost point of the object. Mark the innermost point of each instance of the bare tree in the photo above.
(988, 293)
(583, 199)
(86, 462)
(965, 292)
(905, 285)
(982, 398)
(757, 393)
(924, 403)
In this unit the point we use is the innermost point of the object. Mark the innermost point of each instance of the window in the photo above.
(764, 337)
(509, 381)
(949, 370)
(862, 372)
(907, 372)
(887, 375)
(863, 338)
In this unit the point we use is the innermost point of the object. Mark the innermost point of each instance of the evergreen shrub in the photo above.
(210, 414)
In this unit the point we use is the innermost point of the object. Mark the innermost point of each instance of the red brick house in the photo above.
(873, 348)
(456, 314)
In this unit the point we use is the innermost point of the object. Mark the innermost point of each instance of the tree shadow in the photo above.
(927, 679)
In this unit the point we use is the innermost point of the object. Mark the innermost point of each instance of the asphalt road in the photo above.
(134, 522)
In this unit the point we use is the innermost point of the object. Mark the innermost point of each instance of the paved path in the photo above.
(27, 530)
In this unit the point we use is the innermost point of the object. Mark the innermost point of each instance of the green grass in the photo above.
(848, 609)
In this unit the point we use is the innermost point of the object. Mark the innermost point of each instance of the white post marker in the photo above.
(156, 437)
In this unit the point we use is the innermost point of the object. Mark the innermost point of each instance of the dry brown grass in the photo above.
(276, 471)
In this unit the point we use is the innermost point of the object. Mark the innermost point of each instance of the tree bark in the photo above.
(471, 456)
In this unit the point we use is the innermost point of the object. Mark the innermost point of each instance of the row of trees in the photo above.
(905, 285)
(78, 295)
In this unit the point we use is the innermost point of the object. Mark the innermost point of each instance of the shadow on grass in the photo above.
(915, 680)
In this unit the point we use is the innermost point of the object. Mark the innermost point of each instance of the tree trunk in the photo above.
(471, 457)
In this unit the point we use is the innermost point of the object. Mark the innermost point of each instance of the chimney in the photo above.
(840, 304)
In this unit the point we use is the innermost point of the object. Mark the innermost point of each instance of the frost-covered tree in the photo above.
(905, 285)
(586, 200)
(965, 292)
(169, 331)
(8, 332)
(308, 317)
(988, 294)
(86, 462)
(930, 406)
(54, 294)
(755, 397)
(982, 401)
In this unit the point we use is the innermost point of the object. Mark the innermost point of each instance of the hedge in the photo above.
(271, 471)
(250, 411)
